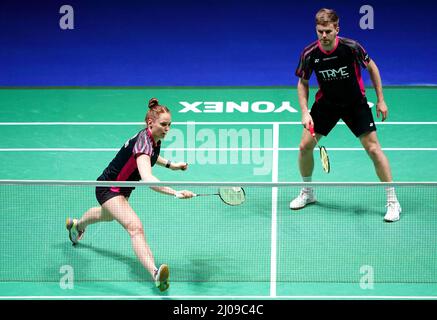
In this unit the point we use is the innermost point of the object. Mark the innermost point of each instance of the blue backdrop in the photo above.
(195, 43)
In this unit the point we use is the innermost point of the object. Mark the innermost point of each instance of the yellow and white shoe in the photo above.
(73, 233)
(162, 277)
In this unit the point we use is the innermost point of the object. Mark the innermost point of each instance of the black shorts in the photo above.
(358, 117)
(103, 194)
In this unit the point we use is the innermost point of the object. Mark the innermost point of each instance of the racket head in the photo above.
(324, 159)
(232, 196)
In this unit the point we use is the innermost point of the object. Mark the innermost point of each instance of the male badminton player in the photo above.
(133, 162)
(336, 62)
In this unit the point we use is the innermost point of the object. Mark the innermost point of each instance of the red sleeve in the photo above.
(143, 145)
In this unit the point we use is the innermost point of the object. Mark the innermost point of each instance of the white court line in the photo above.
(36, 123)
(275, 179)
(223, 297)
(58, 149)
(197, 149)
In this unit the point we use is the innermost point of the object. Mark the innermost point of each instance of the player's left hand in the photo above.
(381, 108)
(180, 166)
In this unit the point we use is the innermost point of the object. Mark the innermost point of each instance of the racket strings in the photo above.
(232, 195)
(325, 159)
(323, 154)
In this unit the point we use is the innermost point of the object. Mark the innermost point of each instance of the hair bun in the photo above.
(153, 102)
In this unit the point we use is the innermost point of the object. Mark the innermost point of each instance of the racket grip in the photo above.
(179, 195)
(312, 130)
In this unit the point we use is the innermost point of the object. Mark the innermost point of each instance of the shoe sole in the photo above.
(312, 202)
(163, 278)
(398, 218)
(69, 225)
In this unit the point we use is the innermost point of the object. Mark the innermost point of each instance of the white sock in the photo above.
(391, 194)
(307, 189)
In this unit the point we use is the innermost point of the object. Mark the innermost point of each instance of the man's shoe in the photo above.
(304, 198)
(393, 211)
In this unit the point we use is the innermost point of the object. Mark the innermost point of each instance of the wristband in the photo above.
(168, 164)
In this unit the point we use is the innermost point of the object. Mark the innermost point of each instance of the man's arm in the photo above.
(381, 107)
(303, 90)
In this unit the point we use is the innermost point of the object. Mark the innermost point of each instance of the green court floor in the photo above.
(214, 251)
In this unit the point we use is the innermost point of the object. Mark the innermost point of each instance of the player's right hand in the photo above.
(184, 194)
(307, 120)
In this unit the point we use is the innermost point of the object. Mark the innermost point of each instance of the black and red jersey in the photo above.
(124, 165)
(338, 71)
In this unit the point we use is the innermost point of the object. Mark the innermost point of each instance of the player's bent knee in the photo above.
(135, 229)
(305, 148)
(374, 150)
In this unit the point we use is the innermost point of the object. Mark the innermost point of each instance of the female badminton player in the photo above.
(133, 162)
